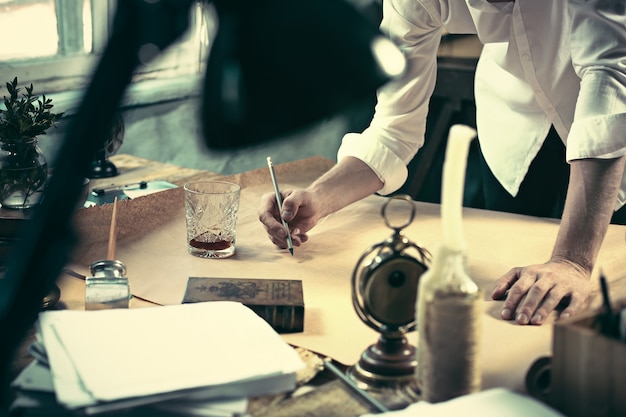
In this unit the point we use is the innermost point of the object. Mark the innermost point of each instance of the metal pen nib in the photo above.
(279, 201)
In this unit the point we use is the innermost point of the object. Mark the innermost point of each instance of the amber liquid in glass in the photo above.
(219, 245)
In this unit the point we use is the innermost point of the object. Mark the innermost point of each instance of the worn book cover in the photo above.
(279, 301)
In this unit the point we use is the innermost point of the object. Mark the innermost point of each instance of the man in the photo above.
(549, 68)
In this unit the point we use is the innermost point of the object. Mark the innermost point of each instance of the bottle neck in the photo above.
(449, 272)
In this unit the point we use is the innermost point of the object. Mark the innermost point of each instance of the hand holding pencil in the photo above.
(279, 202)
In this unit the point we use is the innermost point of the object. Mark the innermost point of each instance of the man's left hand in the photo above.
(534, 291)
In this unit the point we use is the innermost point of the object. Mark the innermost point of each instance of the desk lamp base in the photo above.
(102, 168)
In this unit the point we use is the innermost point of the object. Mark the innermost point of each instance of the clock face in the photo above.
(390, 290)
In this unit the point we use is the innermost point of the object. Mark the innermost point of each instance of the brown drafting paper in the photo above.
(136, 219)
(152, 244)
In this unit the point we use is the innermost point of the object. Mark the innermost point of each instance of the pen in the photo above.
(280, 203)
(103, 190)
(112, 232)
(609, 322)
(366, 396)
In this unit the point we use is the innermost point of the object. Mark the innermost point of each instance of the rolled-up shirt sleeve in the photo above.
(598, 44)
(397, 129)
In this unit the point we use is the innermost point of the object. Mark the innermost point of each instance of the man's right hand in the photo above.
(300, 211)
(348, 181)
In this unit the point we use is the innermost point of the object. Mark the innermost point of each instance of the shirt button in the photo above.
(526, 57)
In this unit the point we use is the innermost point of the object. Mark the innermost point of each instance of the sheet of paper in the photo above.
(34, 377)
(153, 187)
(35, 381)
(496, 402)
(127, 191)
(68, 388)
(109, 355)
(234, 408)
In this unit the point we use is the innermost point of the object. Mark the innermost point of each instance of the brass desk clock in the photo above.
(384, 293)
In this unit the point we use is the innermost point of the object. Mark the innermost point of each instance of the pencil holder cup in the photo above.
(107, 287)
(586, 374)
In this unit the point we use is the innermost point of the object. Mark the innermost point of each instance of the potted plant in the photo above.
(23, 167)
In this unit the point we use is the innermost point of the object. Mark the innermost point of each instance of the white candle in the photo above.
(453, 184)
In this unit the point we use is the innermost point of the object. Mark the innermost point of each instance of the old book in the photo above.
(279, 301)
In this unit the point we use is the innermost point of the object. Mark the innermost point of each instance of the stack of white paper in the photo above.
(495, 402)
(110, 359)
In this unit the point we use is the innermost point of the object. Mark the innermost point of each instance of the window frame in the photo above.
(177, 71)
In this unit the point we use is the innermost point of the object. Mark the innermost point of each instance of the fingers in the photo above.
(534, 292)
(515, 285)
(280, 238)
(501, 290)
(524, 297)
(290, 208)
(271, 219)
(541, 299)
(268, 213)
(575, 305)
(504, 283)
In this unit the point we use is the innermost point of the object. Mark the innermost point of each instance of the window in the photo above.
(44, 41)
(55, 44)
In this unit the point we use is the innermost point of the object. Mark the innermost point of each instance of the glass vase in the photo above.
(23, 174)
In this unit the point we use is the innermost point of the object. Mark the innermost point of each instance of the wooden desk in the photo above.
(152, 244)
(133, 169)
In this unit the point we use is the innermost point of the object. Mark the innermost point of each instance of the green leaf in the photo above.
(25, 117)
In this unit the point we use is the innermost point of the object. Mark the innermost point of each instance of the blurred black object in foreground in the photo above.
(280, 65)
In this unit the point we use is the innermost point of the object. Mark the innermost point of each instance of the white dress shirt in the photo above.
(544, 62)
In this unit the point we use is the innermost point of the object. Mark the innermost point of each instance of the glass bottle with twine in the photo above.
(449, 303)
